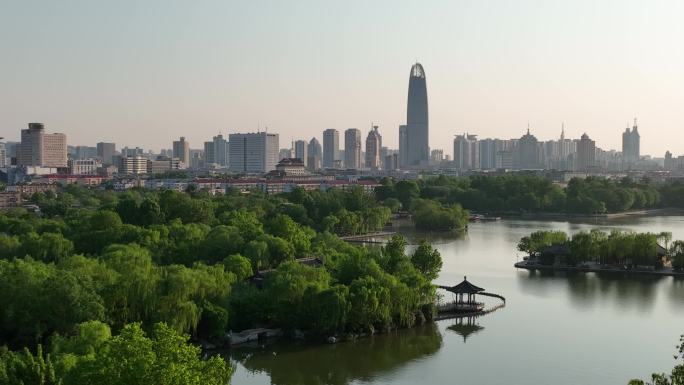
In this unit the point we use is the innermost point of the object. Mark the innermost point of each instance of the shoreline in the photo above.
(665, 211)
(611, 270)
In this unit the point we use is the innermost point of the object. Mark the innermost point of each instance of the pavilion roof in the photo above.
(464, 287)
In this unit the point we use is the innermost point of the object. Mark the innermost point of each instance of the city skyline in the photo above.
(199, 71)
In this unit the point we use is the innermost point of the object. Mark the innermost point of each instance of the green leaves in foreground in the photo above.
(130, 358)
(676, 377)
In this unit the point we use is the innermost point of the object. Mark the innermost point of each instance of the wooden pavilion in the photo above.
(464, 298)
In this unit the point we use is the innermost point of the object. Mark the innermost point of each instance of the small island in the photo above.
(599, 251)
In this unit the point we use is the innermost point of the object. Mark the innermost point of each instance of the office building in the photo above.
(209, 155)
(315, 154)
(181, 151)
(40, 149)
(414, 136)
(84, 166)
(253, 153)
(301, 151)
(352, 148)
(331, 147)
(162, 164)
(85, 152)
(106, 152)
(216, 152)
(133, 165)
(374, 149)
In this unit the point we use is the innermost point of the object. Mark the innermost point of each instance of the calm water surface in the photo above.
(555, 329)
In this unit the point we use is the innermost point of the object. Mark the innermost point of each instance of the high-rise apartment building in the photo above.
(3, 155)
(106, 151)
(391, 161)
(40, 149)
(586, 154)
(216, 152)
(301, 151)
(403, 146)
(631, 151)
(527, 155)
(668, 163)
(315, 154)
(414, 146)
(466, 152)
(488, 150)
(331, 147)
(374, 149)
(436, 156)
(255, 153)
(181, 151)
(196, 158)
(209, 155)
(352, 148)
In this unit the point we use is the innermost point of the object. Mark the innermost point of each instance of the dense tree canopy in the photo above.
(530, 193)
(97, 276)
(615, 248)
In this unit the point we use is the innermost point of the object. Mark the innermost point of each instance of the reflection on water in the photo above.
(587, 290)
(465, 327)
(342, 363)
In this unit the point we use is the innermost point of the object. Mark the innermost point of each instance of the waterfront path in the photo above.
(665, 272)
(367, 238)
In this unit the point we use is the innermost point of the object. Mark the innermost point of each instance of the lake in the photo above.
(555, 329)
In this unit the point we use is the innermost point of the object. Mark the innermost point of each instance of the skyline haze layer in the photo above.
(147, 73)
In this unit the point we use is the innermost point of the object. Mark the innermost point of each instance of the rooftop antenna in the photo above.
(528, 128)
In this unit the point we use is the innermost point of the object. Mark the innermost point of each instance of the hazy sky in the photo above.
(145, 72)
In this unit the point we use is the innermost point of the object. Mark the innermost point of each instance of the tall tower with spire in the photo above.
(562, 131)
(414, 146)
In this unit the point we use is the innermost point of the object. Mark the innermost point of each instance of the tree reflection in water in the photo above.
(587, 290)
(342, 363)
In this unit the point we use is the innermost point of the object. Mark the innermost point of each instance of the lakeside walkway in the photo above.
(451, 315)
(367, 238)
(665, 272)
